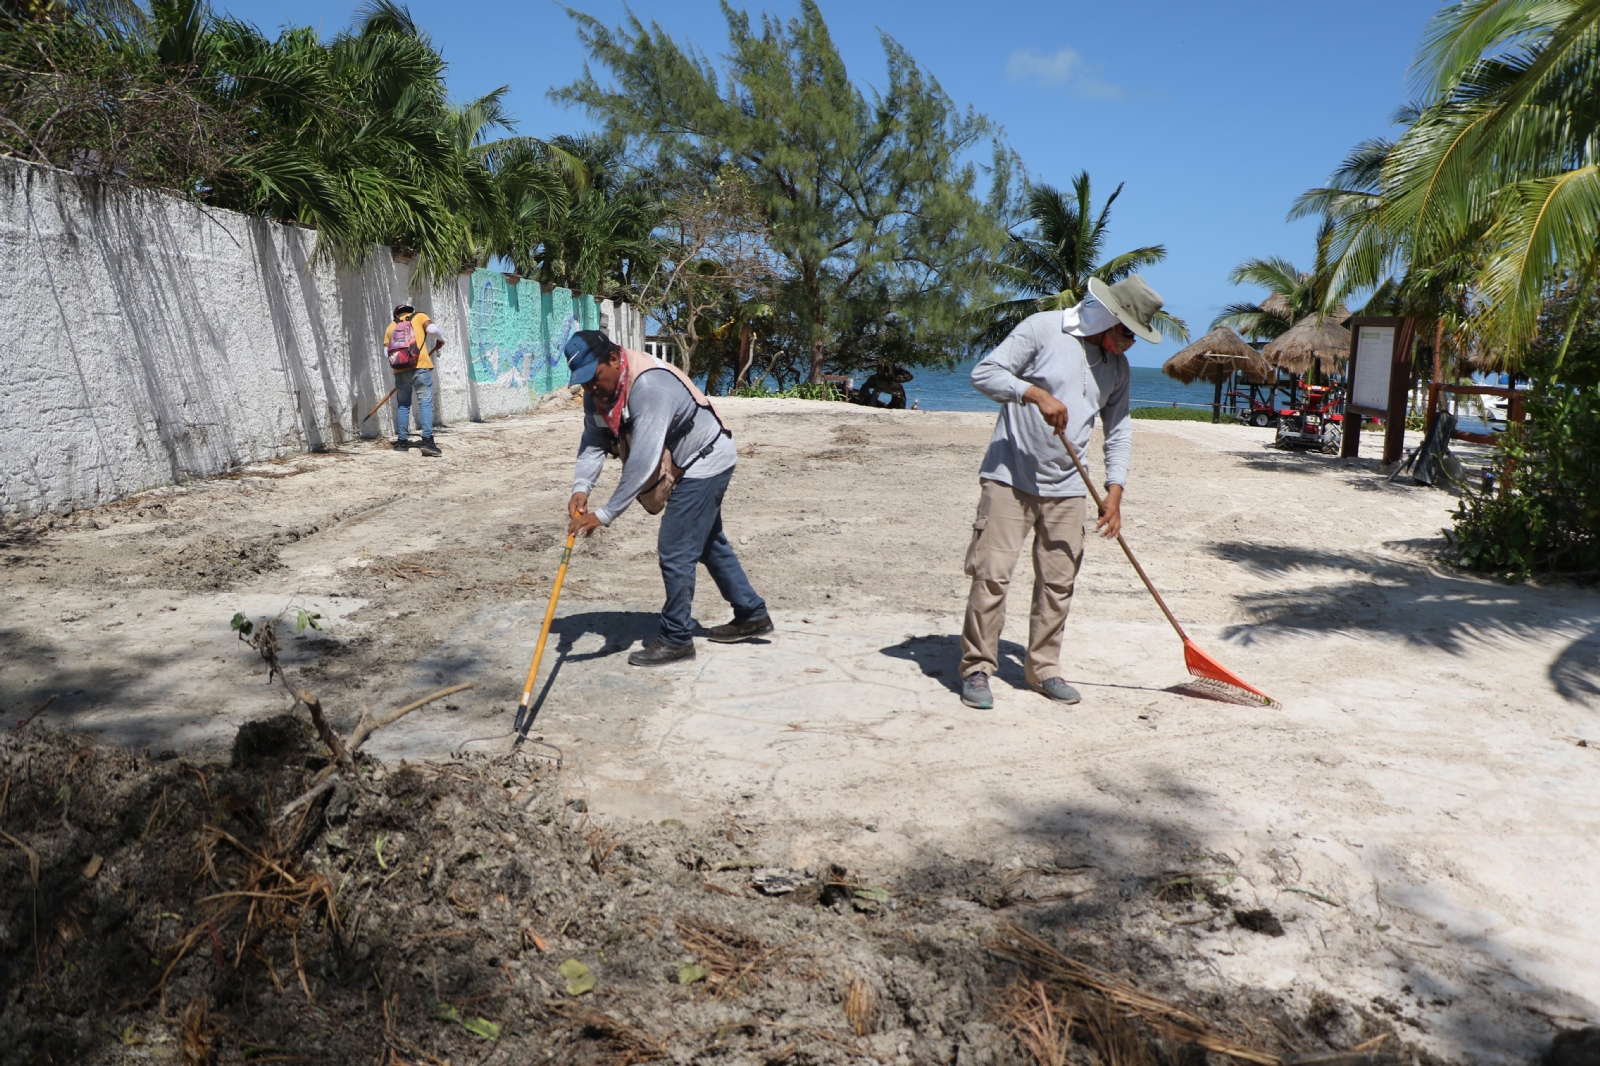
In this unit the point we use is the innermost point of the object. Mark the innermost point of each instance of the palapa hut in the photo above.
(1313, 339)
(1278, 303)
(1215, 358)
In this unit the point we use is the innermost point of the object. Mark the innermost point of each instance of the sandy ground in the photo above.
(1422, 812)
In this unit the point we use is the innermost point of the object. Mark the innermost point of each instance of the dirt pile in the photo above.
(471, 910)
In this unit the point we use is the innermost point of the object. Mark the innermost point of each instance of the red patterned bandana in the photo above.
(614, 416)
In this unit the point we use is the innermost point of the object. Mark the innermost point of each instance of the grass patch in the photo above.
(1173, 414)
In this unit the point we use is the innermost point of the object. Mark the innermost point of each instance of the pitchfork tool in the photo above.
(1215, 677)
(524, 708)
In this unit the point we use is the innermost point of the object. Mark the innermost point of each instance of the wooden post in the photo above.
(1394, 431)
(1216, 403)
(1350, 435)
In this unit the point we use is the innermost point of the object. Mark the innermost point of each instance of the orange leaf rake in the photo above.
(1215, 679)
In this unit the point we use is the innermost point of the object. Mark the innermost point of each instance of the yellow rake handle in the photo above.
(544, 632)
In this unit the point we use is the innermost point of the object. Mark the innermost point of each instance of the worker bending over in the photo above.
(678, 454)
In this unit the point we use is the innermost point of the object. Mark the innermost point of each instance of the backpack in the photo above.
(402, 347)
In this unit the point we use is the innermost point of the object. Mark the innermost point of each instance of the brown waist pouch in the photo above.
(653, 497)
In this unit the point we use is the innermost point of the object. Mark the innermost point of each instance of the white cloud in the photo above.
(1027, 65)
(1064, 67)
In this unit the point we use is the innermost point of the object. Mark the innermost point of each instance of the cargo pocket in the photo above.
(970, 567)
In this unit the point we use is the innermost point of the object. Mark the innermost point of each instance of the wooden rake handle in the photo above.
(1100, 506)
(381, 402)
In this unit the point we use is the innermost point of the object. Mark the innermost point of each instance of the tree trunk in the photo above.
(746, 352)
(818, 319)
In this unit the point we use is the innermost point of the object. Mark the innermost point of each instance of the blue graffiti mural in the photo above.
(517, 331)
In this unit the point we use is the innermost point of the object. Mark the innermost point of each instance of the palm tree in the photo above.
(1496, 180)
(1292, 294)
(1050, 265)
(354, 137)
(567, 211)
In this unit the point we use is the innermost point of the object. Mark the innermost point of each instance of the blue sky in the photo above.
(1215, 115)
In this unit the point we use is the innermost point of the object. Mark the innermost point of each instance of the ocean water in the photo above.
(951, 390)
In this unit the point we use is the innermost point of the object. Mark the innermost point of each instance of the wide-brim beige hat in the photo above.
(1133, 302)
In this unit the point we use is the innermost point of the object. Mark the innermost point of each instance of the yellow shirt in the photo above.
(419, 329)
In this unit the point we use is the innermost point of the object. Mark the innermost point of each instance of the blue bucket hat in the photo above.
(583, 352)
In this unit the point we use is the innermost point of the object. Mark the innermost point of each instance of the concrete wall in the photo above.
(150, 340)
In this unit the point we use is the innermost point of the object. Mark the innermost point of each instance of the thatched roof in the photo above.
(1215, 357)
(1278, 304)
(1323, 340)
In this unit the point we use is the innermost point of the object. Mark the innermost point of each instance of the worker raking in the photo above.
(677, 458)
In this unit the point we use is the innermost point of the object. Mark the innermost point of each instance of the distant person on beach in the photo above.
(1055, 372)
(677, 455)
(410, 341)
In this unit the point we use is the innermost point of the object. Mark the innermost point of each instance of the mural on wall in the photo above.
(559, 325)
(517, 331)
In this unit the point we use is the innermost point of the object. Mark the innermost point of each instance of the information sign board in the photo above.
(1378, 377)
(1370, 371)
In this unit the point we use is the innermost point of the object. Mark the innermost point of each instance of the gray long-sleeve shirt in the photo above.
(658, 405)
(1024, 452)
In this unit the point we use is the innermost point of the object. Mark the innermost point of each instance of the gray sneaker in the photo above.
(975, 691)
(1058, 690)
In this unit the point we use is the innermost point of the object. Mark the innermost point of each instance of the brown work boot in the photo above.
(736, 630)
(659, 652)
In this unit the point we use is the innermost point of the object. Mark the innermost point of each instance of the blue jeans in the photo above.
(691, 533)
(422, 380)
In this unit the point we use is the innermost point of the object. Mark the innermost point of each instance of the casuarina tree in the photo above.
(866, 193)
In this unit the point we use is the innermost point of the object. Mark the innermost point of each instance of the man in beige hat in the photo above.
(1057, 371)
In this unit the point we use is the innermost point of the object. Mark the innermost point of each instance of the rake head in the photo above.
(1218, 681)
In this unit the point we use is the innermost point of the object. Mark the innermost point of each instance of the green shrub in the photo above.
(1173, 414)
(1548, 519)
(804, 390)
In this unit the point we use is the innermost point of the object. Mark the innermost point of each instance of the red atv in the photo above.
(1318, 424)
(1252, 409)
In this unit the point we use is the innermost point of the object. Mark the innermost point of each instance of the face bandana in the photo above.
(1089, 317)
(614, 415)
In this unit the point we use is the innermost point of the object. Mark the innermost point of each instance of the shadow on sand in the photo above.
(1419, 602)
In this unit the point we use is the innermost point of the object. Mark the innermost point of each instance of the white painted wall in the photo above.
(151, 340)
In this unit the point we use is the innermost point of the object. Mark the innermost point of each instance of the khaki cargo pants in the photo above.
(1004, 517)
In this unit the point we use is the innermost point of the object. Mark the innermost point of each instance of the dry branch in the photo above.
(325, 779)
(324, 730)
(307, 798)
(366, 727)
